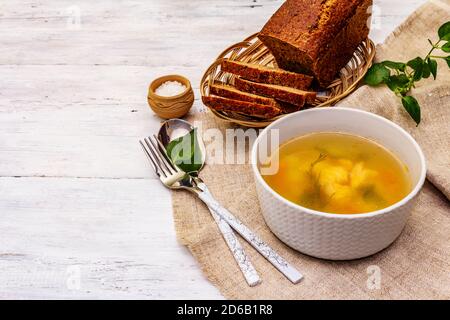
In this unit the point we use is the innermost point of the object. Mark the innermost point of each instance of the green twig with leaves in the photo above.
(401, 77)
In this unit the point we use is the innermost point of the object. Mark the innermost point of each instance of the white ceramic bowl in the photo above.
(339, 236)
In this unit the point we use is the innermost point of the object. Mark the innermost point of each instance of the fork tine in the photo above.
(150, 157)
(157, 159)
(166, 156)
(161, 155)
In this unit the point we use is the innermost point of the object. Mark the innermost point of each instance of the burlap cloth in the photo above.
(416, 265)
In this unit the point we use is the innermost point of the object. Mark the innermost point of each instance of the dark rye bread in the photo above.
(244, 107)
(316, 37)
(285, 94)
(230, 92)
(262, 74)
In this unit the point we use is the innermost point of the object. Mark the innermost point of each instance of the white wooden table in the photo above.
(81, 215)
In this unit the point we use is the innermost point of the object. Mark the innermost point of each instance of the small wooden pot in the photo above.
(174, 106)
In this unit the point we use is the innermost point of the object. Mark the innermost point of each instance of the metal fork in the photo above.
(245, 265)
(174, 178)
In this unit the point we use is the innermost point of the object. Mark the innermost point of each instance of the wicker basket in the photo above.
(252, 50)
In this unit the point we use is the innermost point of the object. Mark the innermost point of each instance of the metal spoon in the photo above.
(176, 128)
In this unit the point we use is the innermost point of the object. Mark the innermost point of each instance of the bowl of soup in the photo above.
(337, 183)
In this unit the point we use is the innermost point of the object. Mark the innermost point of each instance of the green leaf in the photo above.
(398, 84)
(448, 61)
(426, 71)
(175, 151)
(417, 65)
(446, 47)
(412, 107)
(377, 74)
(432, 65)
(185, 152)
(444, 31)
(394, 65)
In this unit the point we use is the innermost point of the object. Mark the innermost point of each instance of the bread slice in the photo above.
(289, 107)
(286, 94)
(262, 74)
(230, 92)
(245, 107)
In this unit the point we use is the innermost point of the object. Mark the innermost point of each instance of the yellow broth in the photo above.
(339, 173)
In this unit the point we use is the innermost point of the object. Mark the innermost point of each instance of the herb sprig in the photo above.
(401, 77)
(185, 152)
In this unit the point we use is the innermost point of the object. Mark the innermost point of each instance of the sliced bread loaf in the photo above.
(262, 74)
(230, 92)
(316, 37)
(286, 94)
(245, 107)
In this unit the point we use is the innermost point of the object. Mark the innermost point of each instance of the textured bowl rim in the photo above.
(170, 77)
(406, 199)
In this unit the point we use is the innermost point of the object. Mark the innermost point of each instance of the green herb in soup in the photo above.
(339, 173)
